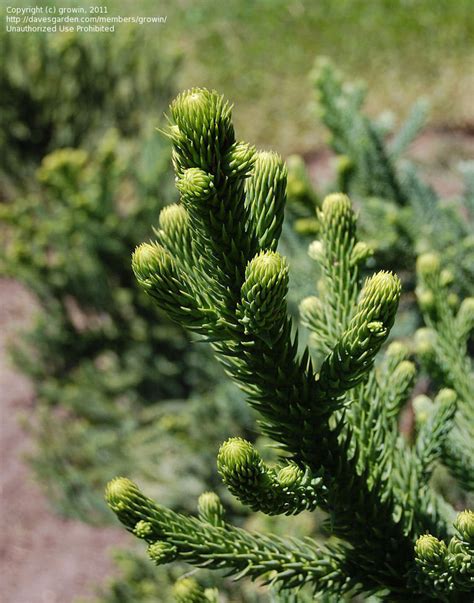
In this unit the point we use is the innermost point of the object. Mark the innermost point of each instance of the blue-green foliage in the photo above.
(64, 90)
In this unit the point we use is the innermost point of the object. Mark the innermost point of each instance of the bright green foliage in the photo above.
(333, 417)
(210, 509)
(448, 568)
(232, 548)
(100, 354)
(401, 215)
(301, 196)
(289, 490)
(188, 590)
(443, 350)
(59, 90)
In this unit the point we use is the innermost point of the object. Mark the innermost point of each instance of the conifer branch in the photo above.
(447, 569)
(288, 491)
(289, 563)
(336, 422)
(445, 347)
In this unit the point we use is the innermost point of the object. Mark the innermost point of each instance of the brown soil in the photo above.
(43, 558)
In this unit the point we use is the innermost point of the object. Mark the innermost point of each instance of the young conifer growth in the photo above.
(333, 414)
(443, 349)
(401, 215)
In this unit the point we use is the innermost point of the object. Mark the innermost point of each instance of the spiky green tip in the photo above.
(149, 259)
(405, 371)
(426, 298)
(161, 552)
(196, 184)
(239, 159)
(173, 217)
(199, 111)
(188, 590)
(423, 407)
(290, 475)
(424, 341)
(210, 504)
(464, 524)
(269, 164)
(336, 203)
(446, 397)
(466, 312)
(119, 490)
(265, 266)
(310, 306)
(143, 529)
(428, 548)
(236, 454)
(361, 252)
(316, 251)
(383, 284)
(379, 302)
(196, 101)
(428, 264)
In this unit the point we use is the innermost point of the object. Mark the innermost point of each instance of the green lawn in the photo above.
(259, 53)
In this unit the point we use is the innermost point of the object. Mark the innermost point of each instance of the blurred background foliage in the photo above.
(259, 53)
(65, 90)
(404, 49)
(401, 213)
(100, 352)
(84, 174)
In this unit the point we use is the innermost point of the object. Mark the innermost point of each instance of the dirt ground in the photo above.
(44, 559)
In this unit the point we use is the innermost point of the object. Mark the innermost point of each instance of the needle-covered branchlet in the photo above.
(334, 415)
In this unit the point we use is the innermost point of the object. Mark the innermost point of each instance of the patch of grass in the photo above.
(264, 49)
(259, 54)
